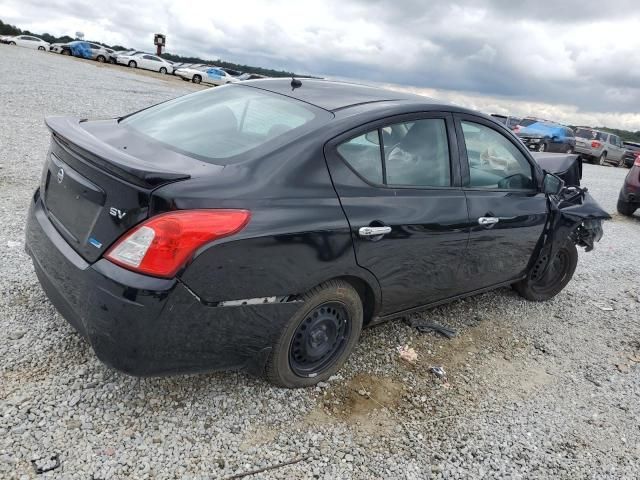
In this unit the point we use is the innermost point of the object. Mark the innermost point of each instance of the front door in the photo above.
(399, 184)
(507, 211)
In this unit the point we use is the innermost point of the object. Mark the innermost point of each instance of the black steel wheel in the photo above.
(319, 337)
(543, 285)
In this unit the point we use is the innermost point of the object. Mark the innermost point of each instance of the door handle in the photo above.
(373, 231)
(488, 221)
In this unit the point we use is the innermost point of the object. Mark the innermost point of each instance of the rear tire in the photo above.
(66, 52)
(196, 79)
(542, 147)
(624, 208)
(42, 49)
(621, 162)
(555, 279)
(319, 337)
(132, 64)
(12, 43)
(569, 150)
(602, 159)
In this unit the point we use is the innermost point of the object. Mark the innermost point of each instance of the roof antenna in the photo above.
(295, 83)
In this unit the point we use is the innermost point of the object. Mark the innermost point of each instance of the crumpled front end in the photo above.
(574, 216)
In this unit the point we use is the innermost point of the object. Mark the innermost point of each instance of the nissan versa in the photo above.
(261, 225)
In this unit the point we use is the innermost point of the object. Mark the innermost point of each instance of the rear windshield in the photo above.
(224, 124)
(590, 134)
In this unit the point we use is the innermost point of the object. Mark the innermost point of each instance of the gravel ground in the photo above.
(546, 390)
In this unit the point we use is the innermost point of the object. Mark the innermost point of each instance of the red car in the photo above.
(629, 199)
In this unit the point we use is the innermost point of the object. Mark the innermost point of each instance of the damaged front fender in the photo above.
(575, 216)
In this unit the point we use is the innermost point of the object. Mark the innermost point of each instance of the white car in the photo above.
(207, 74)
(146, 61)
(29, 41)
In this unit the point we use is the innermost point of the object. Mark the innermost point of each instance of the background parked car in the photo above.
(87, 50)
(629, 199)
(595, 145)
(251, 76)
(28, 41)
(146, 62)
(631, 154)
(510, 122)
(207, 74)
(546, 136)
(113, 57)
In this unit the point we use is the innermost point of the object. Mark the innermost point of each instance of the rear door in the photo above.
(398, 180)
(507, 211)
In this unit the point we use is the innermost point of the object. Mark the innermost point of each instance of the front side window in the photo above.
(224, 122)
(494, 161)
(408, 154)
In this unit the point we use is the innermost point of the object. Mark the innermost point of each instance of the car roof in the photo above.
(331, 95)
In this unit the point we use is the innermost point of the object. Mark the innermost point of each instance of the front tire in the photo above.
(101, 59)
(624, 208)
(66, 52)
(133, 64)
(541, 288)
(163, 70)
(569, 150)
(12, 43)
(542, 147)
(318, 338)
(196, 79)
(42, 49)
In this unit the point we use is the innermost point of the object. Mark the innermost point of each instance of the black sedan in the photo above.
(262, 225)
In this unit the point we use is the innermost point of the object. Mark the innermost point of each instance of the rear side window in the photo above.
(494, 161)
(363, 155)
(221, 123)
(409, 154)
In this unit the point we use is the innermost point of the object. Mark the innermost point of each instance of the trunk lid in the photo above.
(99, 177)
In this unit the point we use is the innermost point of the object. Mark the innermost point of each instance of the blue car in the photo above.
(546, 136)
(88, 50)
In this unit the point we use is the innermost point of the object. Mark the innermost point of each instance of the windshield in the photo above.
(525, 122)
(225, 122)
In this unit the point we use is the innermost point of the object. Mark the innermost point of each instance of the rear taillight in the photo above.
(596, 144)
(161, 245)
(637, 162)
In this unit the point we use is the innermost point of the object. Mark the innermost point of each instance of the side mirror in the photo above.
(551, 184)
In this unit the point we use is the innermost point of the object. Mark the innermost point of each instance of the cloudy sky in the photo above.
(577, 61)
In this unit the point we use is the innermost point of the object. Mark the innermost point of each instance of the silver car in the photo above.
(595, 145)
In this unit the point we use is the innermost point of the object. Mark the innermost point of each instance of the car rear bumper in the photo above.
(630, 191)
(146, 326)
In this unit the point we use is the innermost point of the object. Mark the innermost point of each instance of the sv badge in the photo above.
(119, 214)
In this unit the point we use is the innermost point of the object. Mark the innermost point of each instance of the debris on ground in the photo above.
(48, 466)
(604, 308)
(439, 372)
(424, 327)
(408, 354)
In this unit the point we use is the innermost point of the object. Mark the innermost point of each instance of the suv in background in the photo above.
(508, 121)
(599, 146)
(545, 136)
(631, 153)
